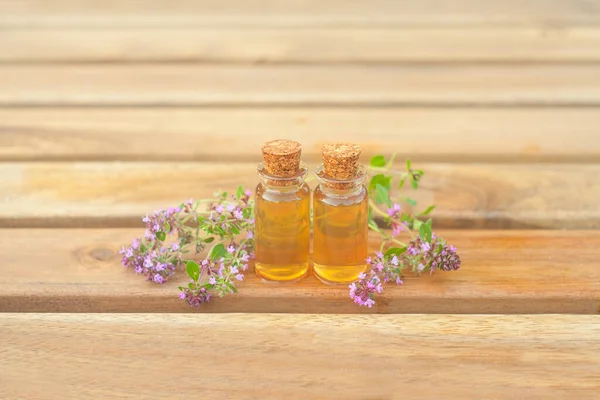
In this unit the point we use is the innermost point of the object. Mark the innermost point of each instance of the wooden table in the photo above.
(112, 109)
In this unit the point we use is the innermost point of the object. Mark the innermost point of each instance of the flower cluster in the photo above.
(218, 273)
(424, 252)
(227, 218)
(437, 254)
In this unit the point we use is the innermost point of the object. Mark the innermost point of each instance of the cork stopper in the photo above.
(340, 160)
(282, 157)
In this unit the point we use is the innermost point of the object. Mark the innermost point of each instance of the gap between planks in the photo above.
(234, 134)
(298, 356)
(369, 85)
(478, 196)
(503, 272)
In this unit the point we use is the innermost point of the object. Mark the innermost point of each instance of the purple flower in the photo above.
(425, 246)
(248, 193)
(245, 257)
(158, 278)
(146, 219)
(129, 253)
(231, 249)
(249, 235)
(396, 229)
(394, 210)
(182, 296)
(238, 214)
(231, 207)
(135, 244)
(362, 291)
(239, 277)
(212, 280)
(219, 209)
(175, 246)
(148, 262)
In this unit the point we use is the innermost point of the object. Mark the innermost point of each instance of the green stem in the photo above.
(376, 209)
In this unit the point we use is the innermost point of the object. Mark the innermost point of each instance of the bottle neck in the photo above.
(282, 183)
(341, 187)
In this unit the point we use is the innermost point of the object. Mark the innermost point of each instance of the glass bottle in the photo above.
(282, 214)
(341, 215)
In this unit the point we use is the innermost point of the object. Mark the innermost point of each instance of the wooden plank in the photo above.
(466, 195)
(137, 356)
(580, 44)
(348, 85)
(64, 270)
(294, 14)
(226, 134)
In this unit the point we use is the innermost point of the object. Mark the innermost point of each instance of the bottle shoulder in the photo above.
(282, 194)
(339, 198)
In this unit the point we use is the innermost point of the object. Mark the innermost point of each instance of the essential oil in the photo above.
(341, 215)
(282, 214)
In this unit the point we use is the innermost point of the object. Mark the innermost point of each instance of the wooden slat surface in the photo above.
(65, 270)
(134, 356)
(225, 134)
(467, 195)
(299, 13)
(545, 44)
(171, 85)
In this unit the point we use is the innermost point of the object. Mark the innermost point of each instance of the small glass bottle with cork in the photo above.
(282, 214)
(341, 214)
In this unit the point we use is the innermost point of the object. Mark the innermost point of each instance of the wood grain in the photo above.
(373, 45)
(225, 134)
(65, 270)
(349, 85)
(296, 14)
(466, 195)
(137, 356)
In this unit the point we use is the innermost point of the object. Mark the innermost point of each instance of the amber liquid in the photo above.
(282, 232)
(340, 236)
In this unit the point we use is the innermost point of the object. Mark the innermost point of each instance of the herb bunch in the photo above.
(425, 251)
(226, 229)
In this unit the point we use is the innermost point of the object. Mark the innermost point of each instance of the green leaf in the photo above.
(429, 223)
(217, 252)
(417, 224)
(161, 236)
(191, 286)
(425, 233)
(395, 251)
(382, 195)
(209, 239)
(418, 172)
(378, 161)
(247, 212)
(193, 270)
(427, 210)
(410, 201)
(167, 227)
(240, 192)
(408, 165)
(380, 179)
(224, 195)
(235, 230)
(414, 183)
(201, 219)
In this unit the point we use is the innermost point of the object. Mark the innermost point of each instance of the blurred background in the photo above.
(110, 109)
